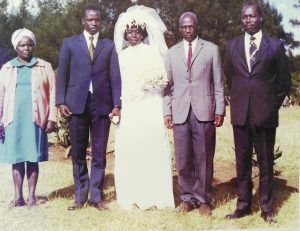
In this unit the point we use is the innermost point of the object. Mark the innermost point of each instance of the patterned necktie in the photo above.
(252, 51)
(189, 58)
(91, 47)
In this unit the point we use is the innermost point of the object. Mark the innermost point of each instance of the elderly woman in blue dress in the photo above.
(27, 114)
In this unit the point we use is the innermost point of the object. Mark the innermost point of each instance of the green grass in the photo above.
(55, 193)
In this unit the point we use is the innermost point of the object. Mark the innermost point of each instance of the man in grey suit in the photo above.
(194, 105)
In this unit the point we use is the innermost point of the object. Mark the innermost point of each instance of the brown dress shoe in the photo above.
(204, 209)
(269, 217)
(100, 205)
(185, 206)
(75, 206)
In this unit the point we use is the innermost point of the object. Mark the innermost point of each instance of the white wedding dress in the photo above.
(143, 169)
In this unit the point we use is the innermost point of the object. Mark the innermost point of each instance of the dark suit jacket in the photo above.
(257, 95)
(75, 71)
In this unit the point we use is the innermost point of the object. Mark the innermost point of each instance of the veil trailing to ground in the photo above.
(142, 16)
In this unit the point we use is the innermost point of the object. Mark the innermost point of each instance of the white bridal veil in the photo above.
(141, 15)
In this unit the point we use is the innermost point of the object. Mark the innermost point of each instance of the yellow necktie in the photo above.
(91, 47)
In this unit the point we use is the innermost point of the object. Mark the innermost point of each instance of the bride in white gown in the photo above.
(143, 169)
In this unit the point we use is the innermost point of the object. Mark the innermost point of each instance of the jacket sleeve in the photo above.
(63, 73)
(115, 78)
(2, 92)
(218, 83)
(52, 87)
(228, 66)
(283, 75)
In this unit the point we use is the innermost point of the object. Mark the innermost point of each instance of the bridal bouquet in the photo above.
(154, 78)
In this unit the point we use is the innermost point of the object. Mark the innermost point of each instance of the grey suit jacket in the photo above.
(202, 87)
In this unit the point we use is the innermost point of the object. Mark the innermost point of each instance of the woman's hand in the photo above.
(50, 126)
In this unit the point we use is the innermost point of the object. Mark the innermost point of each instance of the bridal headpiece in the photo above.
(143, 17)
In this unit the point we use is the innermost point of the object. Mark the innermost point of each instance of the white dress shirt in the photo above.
(87, 39)
(257, 41)
(186, 46)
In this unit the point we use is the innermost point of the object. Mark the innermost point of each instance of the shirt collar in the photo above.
(186, 43)
(87, 35)
(257, 35)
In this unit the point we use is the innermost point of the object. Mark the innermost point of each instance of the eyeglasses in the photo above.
(185, 28)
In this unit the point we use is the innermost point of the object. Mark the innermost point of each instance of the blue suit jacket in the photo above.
(256, 95)
(76, 70)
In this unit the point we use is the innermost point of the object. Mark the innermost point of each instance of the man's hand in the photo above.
(64, 110)
(219, 120)
(116, 112)
(50, 127)
(168, 121)
(114, 116)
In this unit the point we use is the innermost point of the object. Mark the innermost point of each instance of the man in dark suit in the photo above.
(88, 90)
(258, 78)
(194, 105)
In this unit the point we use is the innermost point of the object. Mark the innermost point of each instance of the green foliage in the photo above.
(62, 132)
(295, 90)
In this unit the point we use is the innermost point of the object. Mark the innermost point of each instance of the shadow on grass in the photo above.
(223, 191)
(281, 193)
(226, 191)
(68, 192)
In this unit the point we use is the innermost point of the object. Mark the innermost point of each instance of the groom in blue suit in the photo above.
(88, 90)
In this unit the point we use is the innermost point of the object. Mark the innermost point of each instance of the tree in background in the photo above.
(219, 21)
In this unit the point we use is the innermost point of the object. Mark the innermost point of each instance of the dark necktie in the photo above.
(252, 51)
(91, 47)
(189, 58)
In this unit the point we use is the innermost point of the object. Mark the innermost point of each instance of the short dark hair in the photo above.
(89, 7)
(257, 6)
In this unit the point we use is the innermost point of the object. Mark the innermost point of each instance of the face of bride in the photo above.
(134, 36)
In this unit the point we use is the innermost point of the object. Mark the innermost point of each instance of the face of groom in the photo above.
(91, 21)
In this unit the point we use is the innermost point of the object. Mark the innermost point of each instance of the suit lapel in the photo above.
(83, 45)
(100, 45)
(241, 50)
(197, 50)
(180, 48)
(264, 45)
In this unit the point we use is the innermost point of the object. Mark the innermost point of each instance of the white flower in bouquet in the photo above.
(154, 77)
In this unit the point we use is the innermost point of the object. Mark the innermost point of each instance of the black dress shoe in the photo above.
(238, 214)
(75, 206)
(269, 217)
(99, 205)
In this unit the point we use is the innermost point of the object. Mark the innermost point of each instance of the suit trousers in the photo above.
(194, 143)
(263, 140)
(81, 125)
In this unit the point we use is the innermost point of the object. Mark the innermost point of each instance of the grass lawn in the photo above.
(55, 193)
